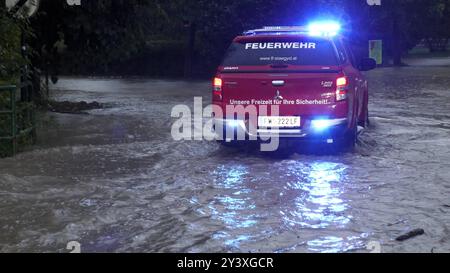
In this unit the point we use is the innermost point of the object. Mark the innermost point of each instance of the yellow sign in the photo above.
(376, 50)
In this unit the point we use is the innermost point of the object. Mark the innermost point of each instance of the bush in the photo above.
(11, 62)
(11, 59)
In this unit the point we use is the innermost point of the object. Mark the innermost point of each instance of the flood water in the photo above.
(116, 181)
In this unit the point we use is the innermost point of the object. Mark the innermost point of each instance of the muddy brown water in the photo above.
(115, 181)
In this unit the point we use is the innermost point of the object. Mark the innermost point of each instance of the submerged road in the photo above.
(115, 181)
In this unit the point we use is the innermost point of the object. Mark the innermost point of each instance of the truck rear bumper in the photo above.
(232, 130)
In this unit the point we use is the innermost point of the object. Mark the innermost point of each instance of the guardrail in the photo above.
(15, 130)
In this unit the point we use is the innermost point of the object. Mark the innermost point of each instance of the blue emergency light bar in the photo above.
(324, 29)
(277, 30)
(327, 28)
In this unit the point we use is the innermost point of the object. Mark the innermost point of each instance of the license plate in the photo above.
(279, 122)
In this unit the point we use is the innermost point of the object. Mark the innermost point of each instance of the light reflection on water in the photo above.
(233, 209)
(318, 202)
(333, 244)
(306, 197)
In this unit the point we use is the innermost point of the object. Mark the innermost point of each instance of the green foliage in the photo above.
(5, 124)
(11, 63)
(24, 120)
(10, 56)
(149, 36)
(98, 34)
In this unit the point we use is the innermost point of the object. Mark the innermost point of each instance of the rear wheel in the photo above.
(348, 142)
(353, 137)
(366, 122)
(367, 119)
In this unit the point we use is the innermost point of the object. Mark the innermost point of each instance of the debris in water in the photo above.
(68, 107)
(411, 234)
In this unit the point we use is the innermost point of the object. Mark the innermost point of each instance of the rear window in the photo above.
(292, 52)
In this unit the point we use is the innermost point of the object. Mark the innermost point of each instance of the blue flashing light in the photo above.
(321, 124)
(325, 28)
(234, 123)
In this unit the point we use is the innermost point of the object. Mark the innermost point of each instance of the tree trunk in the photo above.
(190, 49)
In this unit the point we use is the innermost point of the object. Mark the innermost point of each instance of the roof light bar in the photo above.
(278, 30)
(327, 28)
(321, 28)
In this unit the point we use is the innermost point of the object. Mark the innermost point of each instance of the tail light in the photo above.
(342, 89)
(217, 88)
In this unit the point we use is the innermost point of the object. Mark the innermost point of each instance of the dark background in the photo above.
(188, 37)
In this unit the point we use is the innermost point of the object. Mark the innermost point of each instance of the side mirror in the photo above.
(367, 64)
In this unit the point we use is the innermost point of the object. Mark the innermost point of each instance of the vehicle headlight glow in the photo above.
(326, 28)
(321, 124)
(234, 123)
